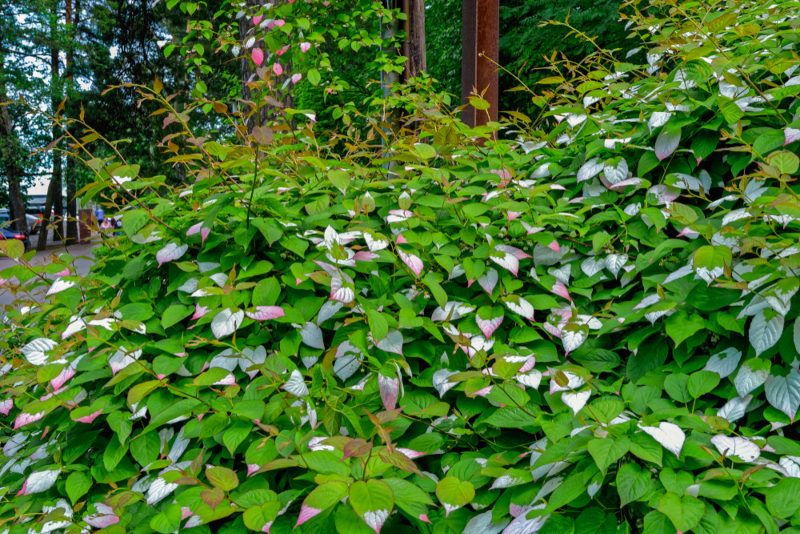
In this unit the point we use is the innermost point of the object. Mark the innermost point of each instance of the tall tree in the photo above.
(72, 15)
(55, 154)
(414, 45)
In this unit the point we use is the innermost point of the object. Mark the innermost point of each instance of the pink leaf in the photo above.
(277, 68)
(306, 513)
(257, 19)
(305, 47)
(258, 56)
(282, 50)
(554, 246)
(561, 290)
(514, 251)
(413, 262)
(401, 239)
(364, 255)
(410, 453)
(62, 378)
(488, 281)
(204, 234)
(488, 326)
(296, 77)
(252, 468)
(266, 313)
(199, 311)
(6, 406)
(389, 389)
(26, 419)
(194, 229)
(513, 215)
(89, 418)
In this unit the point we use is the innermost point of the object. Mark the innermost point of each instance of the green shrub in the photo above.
(589, 329)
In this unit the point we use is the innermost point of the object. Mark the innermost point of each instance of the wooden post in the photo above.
(414, 46)
(480, 36)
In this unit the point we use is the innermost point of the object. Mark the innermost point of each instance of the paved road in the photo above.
(82, 265)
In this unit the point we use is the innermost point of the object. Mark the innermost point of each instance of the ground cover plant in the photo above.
(586, 322)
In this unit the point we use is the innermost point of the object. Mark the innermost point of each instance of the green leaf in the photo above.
(424, 151)
(684, 512)
(340, 179)
(235, 435)
(145, 448)
(409, 497)
(377, 324)
(168, 520)
(702, 382)
(677, 386)
(633, 483)
(569, 490)
(313, 76)
(373, 501)
(259, 516)
(175, 314)
(114, 453)
(785, 161)
(13, 248)
(783, 499)
(222, 477)
(681, 326)
(606, 451)
(455, 493)
(78, 483)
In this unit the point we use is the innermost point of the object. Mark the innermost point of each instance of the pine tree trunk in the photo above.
(72, 20)
(55, 100)
(414, 46)
(10, 153)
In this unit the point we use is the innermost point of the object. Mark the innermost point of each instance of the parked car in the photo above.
(34, 222)
(5, 233)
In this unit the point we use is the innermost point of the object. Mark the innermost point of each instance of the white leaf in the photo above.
(741, 448)
(669, 435)
(226, 322)
(296, 385)
(686, 270)
(158, 490)
(312, 336)
(522, 525)
(520, 306)
(389, 388)
(35, 351)
(40, 481)
(531, 379)
(658, 119)
(764, 333)
(783, 392)
(483, 524)
(488, 281)
(724, 363)
(590, 169)
(441, 381)
(572, 338)
(667, 142)
(576, 400)
(348, 360)
(171, 252)
(452, 311)
(59, 286)
(747, 379)
(375, 244)
(615, 262)
(392, 342)
(791, 464)
(796, 334)
(735, 408)
(616, 173)
(591, 266)
(414, 262)
(266, 313)
(507, 261)
(328, 310)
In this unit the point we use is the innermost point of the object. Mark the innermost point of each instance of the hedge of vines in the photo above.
(586, 322)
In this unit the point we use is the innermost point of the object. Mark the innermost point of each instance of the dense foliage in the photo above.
(588, 329)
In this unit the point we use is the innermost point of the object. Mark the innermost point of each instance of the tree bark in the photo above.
(72, 20)
(55, 100)
(10, 154)
(414, 45)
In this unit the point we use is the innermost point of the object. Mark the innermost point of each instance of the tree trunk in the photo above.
(72, 20)
(414, 45)
(10, 153)
(55, 100)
